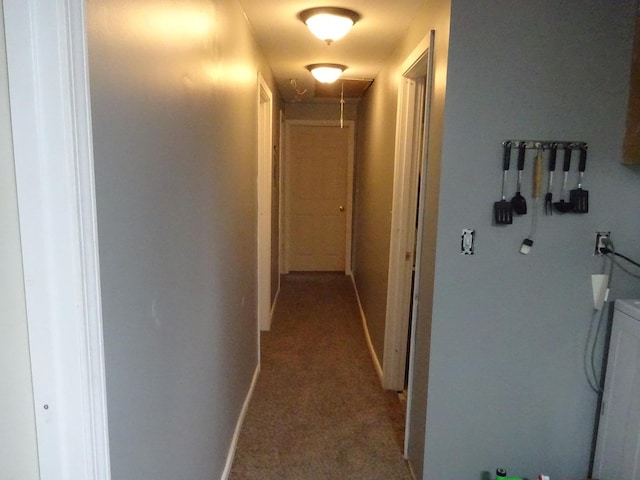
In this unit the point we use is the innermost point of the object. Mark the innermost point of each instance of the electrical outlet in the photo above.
(601, 239)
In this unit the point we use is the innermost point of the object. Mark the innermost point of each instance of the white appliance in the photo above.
(618, 442)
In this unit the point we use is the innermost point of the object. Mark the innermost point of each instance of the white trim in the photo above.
(403, 214)
(419, 235)
(281, 193)
(349, 212)
(401, 248)
(350, 124)
(236, 434)
(279, 179)
(413, 475)
(51, 123)
(275, 301)
(265, 167)
(372, 351)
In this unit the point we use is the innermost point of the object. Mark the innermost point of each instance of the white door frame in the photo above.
(408, 158)
(403, 228)
(51, 128)
(428, 44)
(350, 124)
(265, 168)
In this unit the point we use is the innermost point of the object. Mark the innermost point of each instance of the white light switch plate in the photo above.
(467, 241)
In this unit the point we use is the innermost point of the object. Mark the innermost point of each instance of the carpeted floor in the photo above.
(318, 410)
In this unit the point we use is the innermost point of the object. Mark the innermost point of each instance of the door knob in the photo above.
(341, 208)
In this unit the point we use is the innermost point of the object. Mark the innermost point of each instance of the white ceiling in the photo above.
(289, 46)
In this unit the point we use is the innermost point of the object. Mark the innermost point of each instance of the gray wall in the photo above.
(506, 384)
(18, 454)
(501, 335)
(372, 203)
(174, 103)
(376, 145)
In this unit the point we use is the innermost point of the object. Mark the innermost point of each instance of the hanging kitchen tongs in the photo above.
(502, 209)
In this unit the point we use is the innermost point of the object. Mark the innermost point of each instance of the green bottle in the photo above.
(501, 474)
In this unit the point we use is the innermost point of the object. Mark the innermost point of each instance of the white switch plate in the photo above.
(467, 241)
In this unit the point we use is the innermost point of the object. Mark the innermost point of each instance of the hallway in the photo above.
(130, 318)
(318, 410)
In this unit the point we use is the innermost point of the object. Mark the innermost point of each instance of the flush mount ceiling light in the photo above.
(326, 72)
(329, 23)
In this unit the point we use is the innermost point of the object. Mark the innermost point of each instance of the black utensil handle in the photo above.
(552, 157)
(583, 159)
(567, 159)
(506, 155)
(522, 148)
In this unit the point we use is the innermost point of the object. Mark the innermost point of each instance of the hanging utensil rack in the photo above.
(546, 144)
(566, 145)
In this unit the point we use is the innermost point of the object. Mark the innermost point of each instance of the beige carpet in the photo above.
(318, 410)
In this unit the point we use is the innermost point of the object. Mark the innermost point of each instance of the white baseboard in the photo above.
(275, 302)
(236, 434)
(273, 308)
(372, 352)
(413, 475)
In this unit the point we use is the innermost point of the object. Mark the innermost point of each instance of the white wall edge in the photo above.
(281, 199)
(419, 252)
(372, 352)
(236, 435)
(264, 187)
(51, 123)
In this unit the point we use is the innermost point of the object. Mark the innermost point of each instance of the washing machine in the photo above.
(618, 441)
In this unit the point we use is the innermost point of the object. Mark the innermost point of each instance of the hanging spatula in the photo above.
(579, 198)
(562, 206)
(518, 202)
(502, 209)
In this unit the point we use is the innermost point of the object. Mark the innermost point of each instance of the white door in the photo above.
(318, 209)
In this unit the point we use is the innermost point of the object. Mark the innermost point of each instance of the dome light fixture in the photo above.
(329, 23)
(326, 72)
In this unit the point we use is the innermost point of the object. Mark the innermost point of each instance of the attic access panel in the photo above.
(353, 88)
